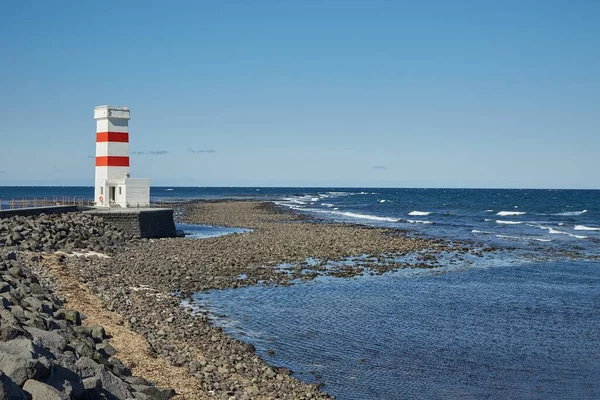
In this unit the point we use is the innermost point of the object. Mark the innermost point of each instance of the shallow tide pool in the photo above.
(524, 331)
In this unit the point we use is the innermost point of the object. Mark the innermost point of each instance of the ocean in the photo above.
(522, 322)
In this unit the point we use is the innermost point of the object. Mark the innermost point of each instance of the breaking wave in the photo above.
(419, 213)
(367, 216)
(585, 228)
(510, 213)
(571, 213)
(508, 222)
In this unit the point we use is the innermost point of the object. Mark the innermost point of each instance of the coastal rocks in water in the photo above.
(45, 353)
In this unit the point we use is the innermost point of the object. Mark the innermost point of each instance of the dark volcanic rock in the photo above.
(44, 351)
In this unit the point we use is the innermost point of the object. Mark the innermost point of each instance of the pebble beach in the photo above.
(133, 290)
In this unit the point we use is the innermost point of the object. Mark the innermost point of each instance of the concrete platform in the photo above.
(139, 222)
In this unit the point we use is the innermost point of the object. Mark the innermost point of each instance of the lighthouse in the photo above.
(113, 185)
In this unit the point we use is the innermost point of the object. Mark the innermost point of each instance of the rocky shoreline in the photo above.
(145, 281)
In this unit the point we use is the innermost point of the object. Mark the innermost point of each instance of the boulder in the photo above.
(154, 392)
(49, 339)
(9, 390)
(41, 391)
(114, 385)
(66, 381)
(86, 367)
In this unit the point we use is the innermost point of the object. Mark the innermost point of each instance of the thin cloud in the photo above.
(209, 151)
(381, 167)
(151, 153)
(2, 172)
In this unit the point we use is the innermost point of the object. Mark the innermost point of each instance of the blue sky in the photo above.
(306, 93)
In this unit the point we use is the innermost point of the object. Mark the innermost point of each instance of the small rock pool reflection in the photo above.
(195, 231)
(530, 330)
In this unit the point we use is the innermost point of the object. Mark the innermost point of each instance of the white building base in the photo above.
(127, 193)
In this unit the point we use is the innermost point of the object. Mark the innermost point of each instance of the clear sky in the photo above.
(306, 92)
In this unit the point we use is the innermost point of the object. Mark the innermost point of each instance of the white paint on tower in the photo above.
(113, 186)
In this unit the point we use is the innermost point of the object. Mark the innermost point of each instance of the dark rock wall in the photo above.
(143, 224)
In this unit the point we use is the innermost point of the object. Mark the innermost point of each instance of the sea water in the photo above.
(521, 323)
(514, 331)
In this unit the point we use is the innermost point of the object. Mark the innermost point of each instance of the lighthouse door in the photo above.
(111, 194)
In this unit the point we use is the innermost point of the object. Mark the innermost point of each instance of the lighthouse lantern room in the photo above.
(113, 185)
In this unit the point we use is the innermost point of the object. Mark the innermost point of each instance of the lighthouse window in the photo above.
(101, 191)
(119, 190)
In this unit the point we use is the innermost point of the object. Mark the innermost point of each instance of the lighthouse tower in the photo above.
(113, 185)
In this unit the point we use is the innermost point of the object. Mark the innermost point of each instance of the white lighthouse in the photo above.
(113, 186)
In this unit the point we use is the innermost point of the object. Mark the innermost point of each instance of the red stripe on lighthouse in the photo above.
(112, 161)
(120, 137)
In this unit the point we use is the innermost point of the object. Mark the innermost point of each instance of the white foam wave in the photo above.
(490, 211)
(523, 238)
(383, 201)
(483, 232)
(571, 213)
(419, 213)
(327, 204)
(585, 228)
(314, 199)
(415, 221)
(367, 216)
(508, 222)
(295, 201)
(553, 231)
(510, 213)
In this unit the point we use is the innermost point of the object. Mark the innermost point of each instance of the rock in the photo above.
(66, 381)
(210, 368)
(83, 348)
(41, 391)
(114, 385)
(155, 392)
(69, 315)
(21, 360)
(9, 390)
(18, 312)
(10, 332)
(49, 339)
(92, 383)
(97, 333)
(106, 350)
(136, 380)
(4, 287)
(86, 367)
(118, 367)
(22, 369)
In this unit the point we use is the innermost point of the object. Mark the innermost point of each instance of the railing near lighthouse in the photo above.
(13, 203)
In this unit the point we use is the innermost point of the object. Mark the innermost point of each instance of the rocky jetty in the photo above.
(69, 231)
(45, 351)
